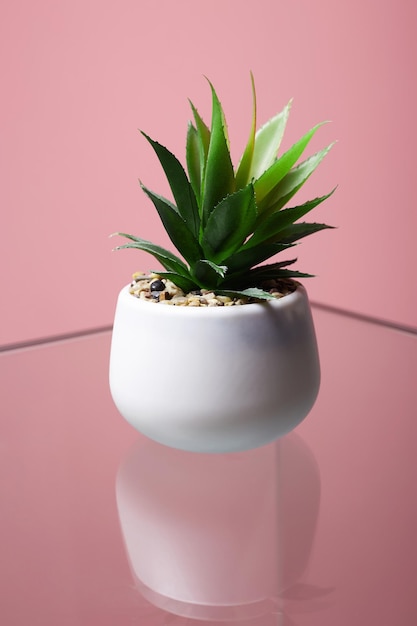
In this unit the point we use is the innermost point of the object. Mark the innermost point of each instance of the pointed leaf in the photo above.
(203, 132)
(267, 142)
(269, 180)
(180, 185)
(219, 269)
(185, 283)
(243, 173)
(251, 292)
(293, 181)
(230, 224)
(193, 157)
(284, 273)
(203, 135)
(272, 266)
(257, 275)
(219, 174)
(168, 260)
(178, 231)
(298, 231)
(275, 270)
(208, 274)
(269, 229)
(245, 259)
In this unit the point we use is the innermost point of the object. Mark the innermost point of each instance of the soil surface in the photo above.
(154, 288)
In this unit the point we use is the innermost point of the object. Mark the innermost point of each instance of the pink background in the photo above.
(79, 78)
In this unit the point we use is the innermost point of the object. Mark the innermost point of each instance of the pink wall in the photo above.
(80, 77)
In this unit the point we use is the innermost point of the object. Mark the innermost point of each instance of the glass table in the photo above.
(101, 526)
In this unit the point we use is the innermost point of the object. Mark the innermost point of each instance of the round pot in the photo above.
(214, 379)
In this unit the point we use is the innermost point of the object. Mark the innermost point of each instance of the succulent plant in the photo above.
(226, 222)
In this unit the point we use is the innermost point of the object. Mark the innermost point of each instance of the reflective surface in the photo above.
(101, 526)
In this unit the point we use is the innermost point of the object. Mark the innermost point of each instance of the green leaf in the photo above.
(267, 142)
(270, 228)
(244, 168)
(208, 274)
(203, 137)
(269, 180)
(275, 270)
(251, 292)
(180, 186)
(178, 231)
(229, 224)
(289, 274)
(168, 260)
(247, 258)
(219, 174)
(272, 266)
(293, 181)
(203, 132)
(298, 231)
(183, 282)
(193, 157)
(219, 269)
(257, 275)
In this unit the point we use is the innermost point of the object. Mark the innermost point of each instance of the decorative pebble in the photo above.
(157, 285)
(150, 287)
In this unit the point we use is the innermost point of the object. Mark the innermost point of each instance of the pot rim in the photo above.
(254, 308)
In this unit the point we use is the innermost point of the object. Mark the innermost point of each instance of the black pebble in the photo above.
(157, 285)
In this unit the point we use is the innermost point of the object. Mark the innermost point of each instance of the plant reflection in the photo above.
(219, 537)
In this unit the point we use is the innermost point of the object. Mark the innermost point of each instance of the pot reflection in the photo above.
(218, 537)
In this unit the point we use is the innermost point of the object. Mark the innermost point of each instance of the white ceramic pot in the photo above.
(214, 379)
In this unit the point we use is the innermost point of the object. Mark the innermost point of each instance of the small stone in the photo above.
(179, 300)
(154, 288)
(194, 301)
(173, 290)
(157, 285)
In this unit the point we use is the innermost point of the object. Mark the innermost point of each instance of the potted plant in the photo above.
(217, 352)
